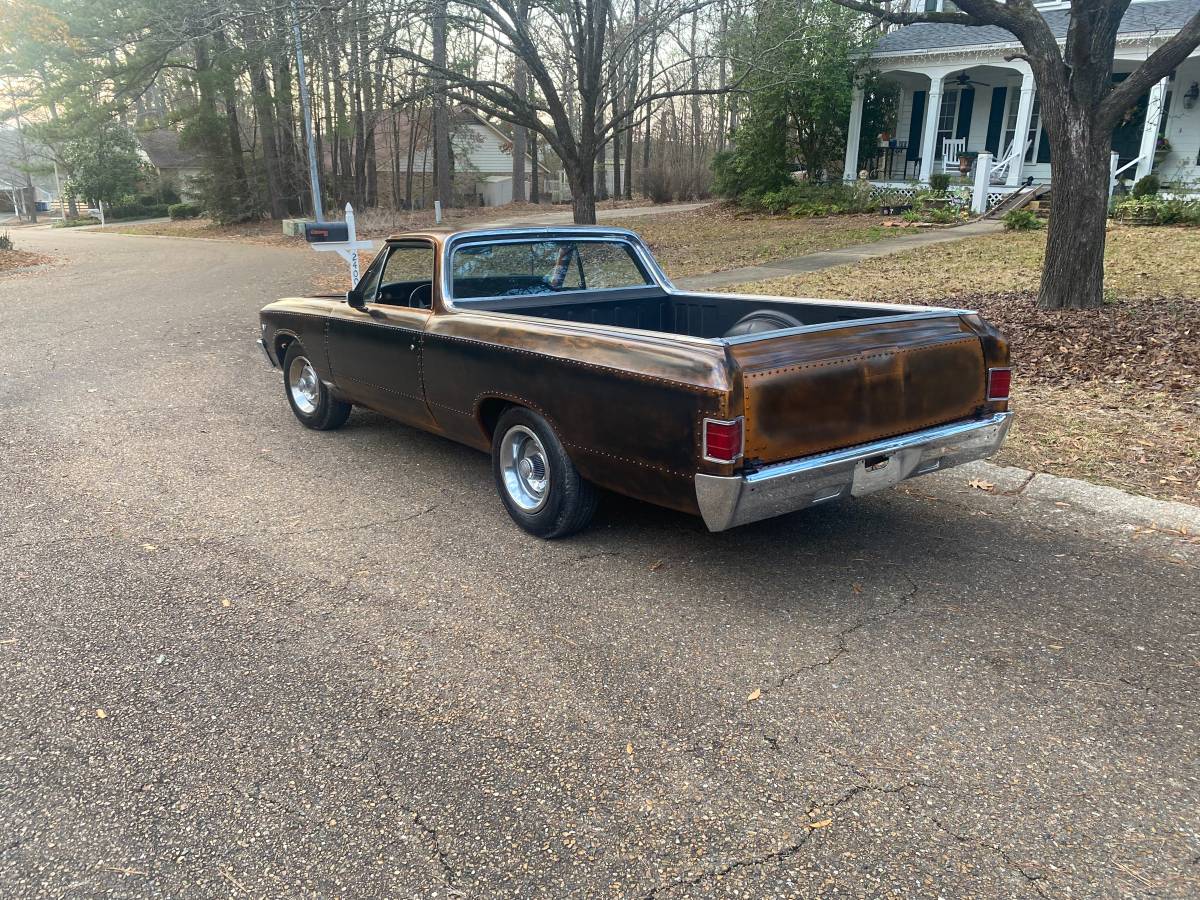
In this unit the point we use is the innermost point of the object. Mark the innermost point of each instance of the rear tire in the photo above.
(308, 397)
(537, 482)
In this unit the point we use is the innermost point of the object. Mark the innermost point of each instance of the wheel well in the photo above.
(490, 411)
(282, 342)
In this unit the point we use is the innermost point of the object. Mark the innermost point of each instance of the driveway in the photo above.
(240, 658)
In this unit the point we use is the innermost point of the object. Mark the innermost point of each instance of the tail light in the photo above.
(998, 383)
(723, 441)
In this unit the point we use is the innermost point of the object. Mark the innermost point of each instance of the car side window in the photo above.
(407, 276)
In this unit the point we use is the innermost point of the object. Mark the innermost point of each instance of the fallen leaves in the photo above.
(754, 695)
(980, 485)
(101, 714)
(226, 602)
(824, 823)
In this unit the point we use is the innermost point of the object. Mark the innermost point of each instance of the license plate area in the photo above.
(881, 471)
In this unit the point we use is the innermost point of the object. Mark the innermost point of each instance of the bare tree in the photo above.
(575, 123)
(1080, 108)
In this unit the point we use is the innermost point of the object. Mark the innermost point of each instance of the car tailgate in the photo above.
(826, 388)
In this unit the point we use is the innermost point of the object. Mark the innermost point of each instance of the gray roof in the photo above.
(1157, 16)
(162, 146)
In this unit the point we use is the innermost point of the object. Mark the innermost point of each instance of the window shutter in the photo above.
(914, 125)
(996, 120)
(966, 105)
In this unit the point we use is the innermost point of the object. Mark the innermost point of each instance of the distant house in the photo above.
(175, 165)
(482, 164)
(963, 90)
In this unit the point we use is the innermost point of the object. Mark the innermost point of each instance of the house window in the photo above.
(1035, 134)
(947, 118)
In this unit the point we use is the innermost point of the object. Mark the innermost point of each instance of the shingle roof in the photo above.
(1158, 16)
(162, 146)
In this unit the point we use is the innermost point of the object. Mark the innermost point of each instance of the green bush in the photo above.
(1154, 210)
(142, 207)
(184, 210)
(1021, 220)
(807, 199)
(1146, 186)
(5, 242)
(76, 222)
(939, 182)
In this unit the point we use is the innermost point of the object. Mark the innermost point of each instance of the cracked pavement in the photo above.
(329, 665)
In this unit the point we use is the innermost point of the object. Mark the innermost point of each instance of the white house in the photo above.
(959, 94)
(482, 158)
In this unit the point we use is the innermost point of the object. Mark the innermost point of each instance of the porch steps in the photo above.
(1021, 198)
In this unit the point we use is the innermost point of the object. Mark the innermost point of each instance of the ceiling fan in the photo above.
(962, 79)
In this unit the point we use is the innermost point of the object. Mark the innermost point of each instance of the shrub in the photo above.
(1146, 186)
(135, 208)
(1154, 210)
(184, 210)
(1020, 220)
(5, 242)
(76, 222)
(939, 182)
(656, 185)
(806, 199)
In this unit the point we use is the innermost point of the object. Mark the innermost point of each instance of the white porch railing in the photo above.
(1115, 173)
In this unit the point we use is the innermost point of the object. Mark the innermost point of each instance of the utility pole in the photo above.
(314, 175)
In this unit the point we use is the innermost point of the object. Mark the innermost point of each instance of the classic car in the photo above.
(569, 355)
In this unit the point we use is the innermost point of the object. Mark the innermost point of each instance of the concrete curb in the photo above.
(1108, 502)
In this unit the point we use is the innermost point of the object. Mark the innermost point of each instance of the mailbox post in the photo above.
(341, 238)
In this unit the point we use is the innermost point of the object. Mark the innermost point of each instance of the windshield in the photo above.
(522, 268)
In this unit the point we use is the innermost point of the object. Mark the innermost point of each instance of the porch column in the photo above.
(853, 134)
(1016, 169)
(933, 108)
(1154, 110)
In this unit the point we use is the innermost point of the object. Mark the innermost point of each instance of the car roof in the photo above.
(441, 235)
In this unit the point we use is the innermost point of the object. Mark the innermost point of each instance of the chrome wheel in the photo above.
(304, 385)
(525, 468)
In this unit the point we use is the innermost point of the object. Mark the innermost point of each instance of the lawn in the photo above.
(720, 237)
(1110, 395)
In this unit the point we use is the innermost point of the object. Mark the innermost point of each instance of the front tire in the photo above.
(537, 482)
(308, 397)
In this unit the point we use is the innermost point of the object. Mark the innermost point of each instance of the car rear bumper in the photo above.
(726, 502)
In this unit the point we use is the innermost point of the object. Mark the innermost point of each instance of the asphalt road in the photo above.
(328, 664)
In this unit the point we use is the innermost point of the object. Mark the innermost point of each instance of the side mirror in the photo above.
(355, 299)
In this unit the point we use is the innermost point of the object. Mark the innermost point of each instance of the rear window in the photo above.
(524, 268)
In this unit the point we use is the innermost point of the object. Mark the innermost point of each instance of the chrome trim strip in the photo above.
(267, 353)
(600, 232)
(726, 502)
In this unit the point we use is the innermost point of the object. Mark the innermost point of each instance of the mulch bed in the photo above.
(16, 260)
(1147, 342)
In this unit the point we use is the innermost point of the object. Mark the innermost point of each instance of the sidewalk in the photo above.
(811, 262)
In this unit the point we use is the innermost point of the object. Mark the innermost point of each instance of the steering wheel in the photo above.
(421, 296)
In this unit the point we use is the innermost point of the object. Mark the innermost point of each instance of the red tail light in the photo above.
(723, 440)
(998, 383)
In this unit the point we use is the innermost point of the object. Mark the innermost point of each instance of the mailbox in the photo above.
(326, 232)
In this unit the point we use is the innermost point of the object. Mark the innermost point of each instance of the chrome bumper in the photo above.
(788, 486)
(267, 353)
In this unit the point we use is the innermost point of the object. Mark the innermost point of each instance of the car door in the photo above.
(375, 352)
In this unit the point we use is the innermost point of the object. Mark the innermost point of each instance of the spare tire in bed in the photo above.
(762, 320)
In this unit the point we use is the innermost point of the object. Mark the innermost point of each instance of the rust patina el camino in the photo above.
(569, 356)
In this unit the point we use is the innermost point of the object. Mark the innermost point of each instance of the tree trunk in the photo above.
(441, 117)
(535, 185)
(519, 140)
(581, 175)
(1073, 275)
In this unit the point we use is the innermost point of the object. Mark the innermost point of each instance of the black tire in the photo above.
(310, 400)
(566, 504)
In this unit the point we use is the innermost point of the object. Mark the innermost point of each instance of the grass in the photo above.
(1109, 395)
(719, 237)
(1139, 263)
